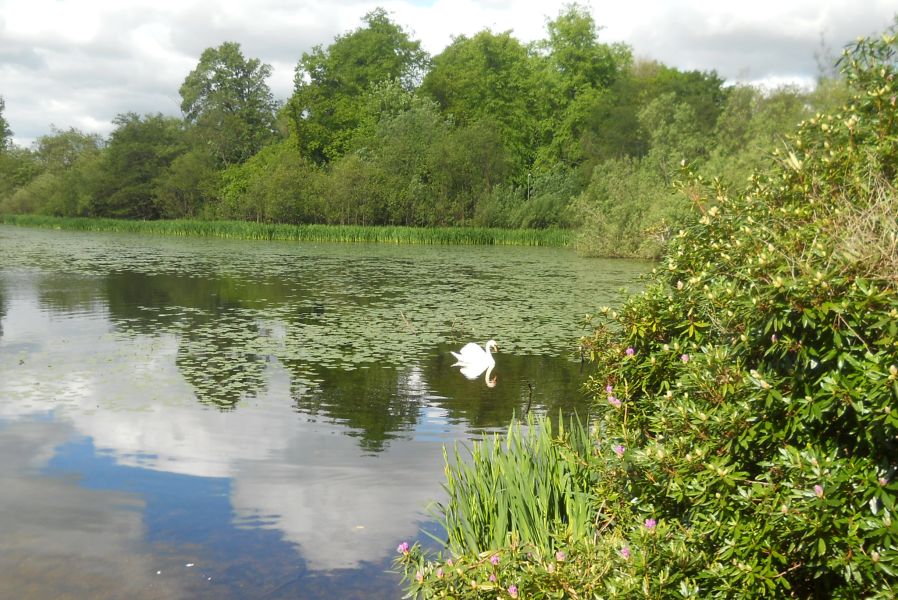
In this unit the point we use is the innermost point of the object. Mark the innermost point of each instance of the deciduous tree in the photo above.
(228, 103)
(332, 83)
(140, 149)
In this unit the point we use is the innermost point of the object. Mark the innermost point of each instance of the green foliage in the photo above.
(189, 187)
(575, 72)
(62, 149)
(534, 489)
(489, 78)
(614, 126)
(139, 150)
(228, 104)
(577, 57)
(332, 85)
(565, 132)
(542, 202)
(59, 178)
(628, 209)
(274, 186)
(513, 508)
(244, 230)
(761, 387)
(746, 423)
(5, 131)
(414, 168)
(18, 166)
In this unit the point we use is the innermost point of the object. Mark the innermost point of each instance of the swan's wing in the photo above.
(471, 350)
(457, 356)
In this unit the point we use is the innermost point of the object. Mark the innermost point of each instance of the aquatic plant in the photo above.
(534, 487)
(246, 230)
(514, 505)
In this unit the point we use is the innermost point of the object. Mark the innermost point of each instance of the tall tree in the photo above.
(576, 72)
(61, 149)
(331, 84)
(226, 100)
(63, 175)
(612, 127)
(140, 149)
(489, 78)
(575, 55)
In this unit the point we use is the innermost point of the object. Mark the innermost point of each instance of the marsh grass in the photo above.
(245, 230)
(534, 488)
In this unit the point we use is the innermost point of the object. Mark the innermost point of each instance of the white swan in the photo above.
(474, 360)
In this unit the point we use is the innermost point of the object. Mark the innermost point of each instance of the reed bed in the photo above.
(535, 488)
(245, 230)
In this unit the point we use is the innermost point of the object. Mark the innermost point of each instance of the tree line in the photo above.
(565, 132)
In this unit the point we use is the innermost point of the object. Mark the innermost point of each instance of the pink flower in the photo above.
(630, 351)
(402, 548)
(419, 576)
(613, 401)
(494, 559)
(818, 489)
(449, 562)
(883, 481)
(609, 389)
(440, 573)
(650, 524)
(685, 358)
(493, 577)
(619, 450)
(625, 552)
(560, 556)
(513, 590)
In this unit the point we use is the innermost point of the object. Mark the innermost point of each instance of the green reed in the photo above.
(246, 230)
(535, 488)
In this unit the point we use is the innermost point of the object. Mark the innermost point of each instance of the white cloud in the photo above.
(78, 64)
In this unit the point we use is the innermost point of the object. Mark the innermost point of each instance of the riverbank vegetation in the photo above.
(566, 132)
(251, 230)
(745, 432)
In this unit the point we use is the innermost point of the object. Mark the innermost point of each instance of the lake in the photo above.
(194, 418)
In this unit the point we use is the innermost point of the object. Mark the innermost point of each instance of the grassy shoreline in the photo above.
(245, 230)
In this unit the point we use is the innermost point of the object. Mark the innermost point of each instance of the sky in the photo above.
(79, 63)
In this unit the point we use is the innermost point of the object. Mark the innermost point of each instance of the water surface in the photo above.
(223, 419)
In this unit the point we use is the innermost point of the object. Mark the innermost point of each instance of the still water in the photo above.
(227, 419)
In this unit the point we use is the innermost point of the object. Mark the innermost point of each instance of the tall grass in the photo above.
(246, 230)
(534, 488)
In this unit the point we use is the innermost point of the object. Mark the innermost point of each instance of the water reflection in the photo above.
(61, 539)
(244, 406)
